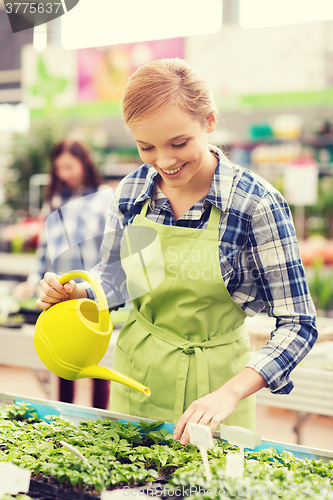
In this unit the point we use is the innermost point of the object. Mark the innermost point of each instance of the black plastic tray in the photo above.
(54, 491)
(40, 489)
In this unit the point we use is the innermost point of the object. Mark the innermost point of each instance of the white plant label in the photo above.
(234, 465)
(201, 436)
(13, 479)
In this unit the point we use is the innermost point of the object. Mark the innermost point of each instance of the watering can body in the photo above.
(71, 337)
(67, 339)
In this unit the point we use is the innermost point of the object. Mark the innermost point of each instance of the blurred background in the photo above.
(269, 64)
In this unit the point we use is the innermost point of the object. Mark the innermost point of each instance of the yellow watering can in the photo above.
(71, 337)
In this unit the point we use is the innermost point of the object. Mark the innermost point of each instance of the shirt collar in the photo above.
(219, 190)
(148, 188)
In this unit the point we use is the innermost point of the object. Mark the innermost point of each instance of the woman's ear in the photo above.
(211, 123)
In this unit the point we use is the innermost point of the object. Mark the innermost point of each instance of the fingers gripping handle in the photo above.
(103, 308)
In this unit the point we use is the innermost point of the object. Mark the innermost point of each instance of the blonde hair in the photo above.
(166, 82)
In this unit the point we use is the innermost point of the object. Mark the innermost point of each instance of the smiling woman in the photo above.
(186, 336)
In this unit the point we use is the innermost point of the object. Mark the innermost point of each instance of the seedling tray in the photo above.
(48, 491)
(35, 495)
(42, 488)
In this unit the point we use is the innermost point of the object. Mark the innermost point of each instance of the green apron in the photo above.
(186, 337)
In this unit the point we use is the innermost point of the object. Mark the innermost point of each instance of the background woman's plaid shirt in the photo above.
(259, 256)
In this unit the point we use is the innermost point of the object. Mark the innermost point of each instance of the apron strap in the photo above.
(143, 214)
(188, 348)
(144, 208)
(214, 218)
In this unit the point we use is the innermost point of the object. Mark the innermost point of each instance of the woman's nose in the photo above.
(165, 162)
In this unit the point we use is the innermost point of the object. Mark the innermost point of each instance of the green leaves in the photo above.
(266, 474)
(114, 449)
(20, 411)
(134, 455)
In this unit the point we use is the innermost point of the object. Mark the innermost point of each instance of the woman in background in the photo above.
(75, 212)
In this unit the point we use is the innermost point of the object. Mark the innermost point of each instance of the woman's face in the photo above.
(70, 170)
(175, 144)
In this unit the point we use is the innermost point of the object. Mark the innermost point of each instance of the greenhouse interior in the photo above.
(123, 124)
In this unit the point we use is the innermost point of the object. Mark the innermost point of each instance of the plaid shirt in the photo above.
(259, 256)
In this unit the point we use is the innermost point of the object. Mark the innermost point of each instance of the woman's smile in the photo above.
(173, 172)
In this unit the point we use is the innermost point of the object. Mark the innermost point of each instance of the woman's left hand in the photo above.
(211, 409)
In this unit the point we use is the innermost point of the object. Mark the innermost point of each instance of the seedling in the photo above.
(201, 436)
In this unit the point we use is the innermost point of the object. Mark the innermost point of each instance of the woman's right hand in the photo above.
(52, 291)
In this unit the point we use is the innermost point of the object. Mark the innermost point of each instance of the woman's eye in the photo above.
(173, 145)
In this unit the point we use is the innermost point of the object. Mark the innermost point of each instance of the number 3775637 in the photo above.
(32, 7)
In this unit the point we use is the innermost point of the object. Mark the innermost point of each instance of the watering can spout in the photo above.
(96, 371)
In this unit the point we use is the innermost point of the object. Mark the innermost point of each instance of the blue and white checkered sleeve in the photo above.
(109, 271)
(276, 265)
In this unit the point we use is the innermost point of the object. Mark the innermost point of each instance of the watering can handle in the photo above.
(104, 318)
